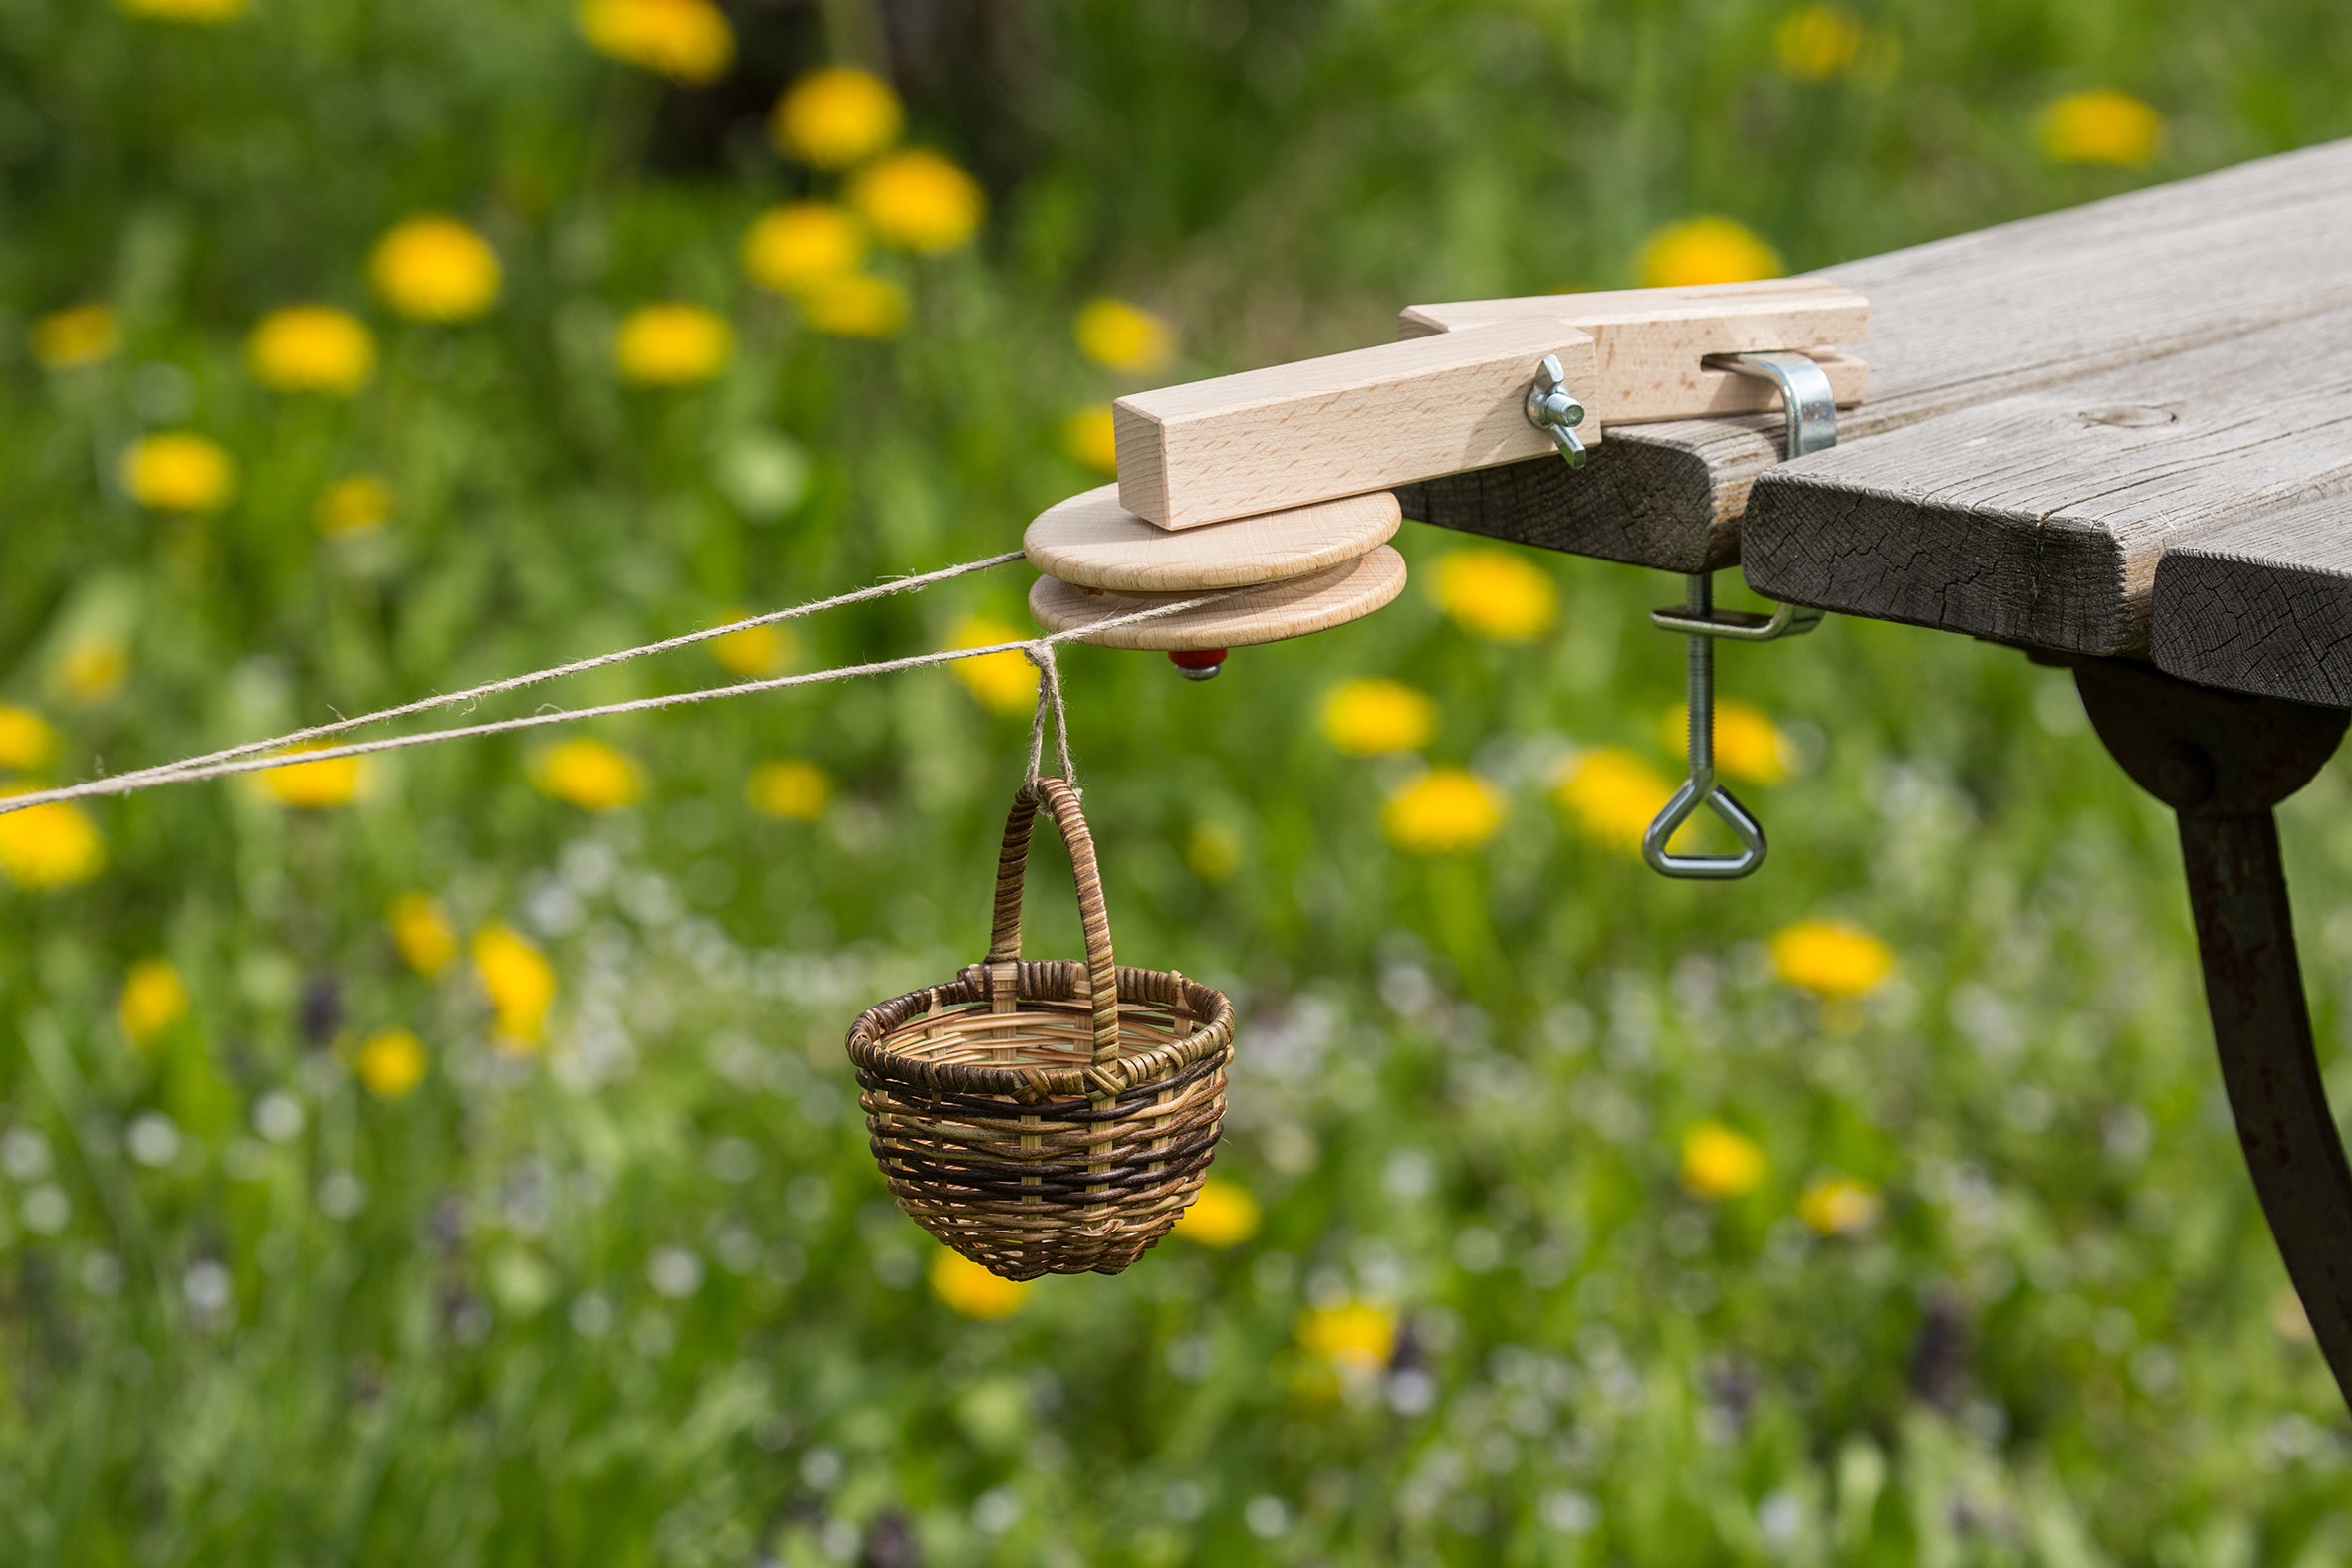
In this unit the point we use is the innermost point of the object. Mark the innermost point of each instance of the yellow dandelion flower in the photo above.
(1003, 682)
(1214, 851)
(520, 982)
(391, 1063)
(312, 786)
(972, 1291)
(1749, 746)
(77, 336)
(855, 304)
(790, 788)
(671, 345)
(1353, 1337)
(422, 933)
(685, 40)
(26, 739)
(46, 846)
(435, 268)
(154, 999)
(1367, 717)
(1222, 1214)
(1839, 1205)
(1496, 593)
(1614, 796)
(192, 13)
(921, 200)
(93, 668)
(1831, 958)
(590, 774)
(354, 504)
(1125, 337)
(1089, 439)
(1445, 811)
(833, 118)
(789, 249)
(1719, 1162)
(755, 651)
(179, 471)
(1706, 250)
(1814, 43)
(2102, 126)
(311, 349)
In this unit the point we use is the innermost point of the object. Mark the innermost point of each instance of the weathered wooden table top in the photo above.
(2120, 429)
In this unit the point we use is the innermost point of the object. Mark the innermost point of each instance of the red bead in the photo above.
(1197, 664)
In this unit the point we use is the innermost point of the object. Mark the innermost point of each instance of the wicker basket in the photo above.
(1046, 1117)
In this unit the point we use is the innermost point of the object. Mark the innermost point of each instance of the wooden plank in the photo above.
(1240, 618)
(1647, 344)
(1341, 425)
(2262, 606)
(1961, 322)
(1664, 496)
(2040, 517)
(1093, 542)
(2056, 298)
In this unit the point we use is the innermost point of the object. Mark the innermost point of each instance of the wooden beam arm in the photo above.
(1450, 397)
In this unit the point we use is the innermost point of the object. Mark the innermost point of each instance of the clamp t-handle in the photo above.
(1812, 427)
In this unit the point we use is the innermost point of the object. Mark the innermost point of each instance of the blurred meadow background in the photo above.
(449, 1157)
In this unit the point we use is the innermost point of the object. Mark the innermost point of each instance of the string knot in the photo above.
(1041, 654)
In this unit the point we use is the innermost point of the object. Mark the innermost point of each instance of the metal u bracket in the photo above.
(1812, 426)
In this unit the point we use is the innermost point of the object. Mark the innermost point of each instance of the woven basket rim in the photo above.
(1048, 980)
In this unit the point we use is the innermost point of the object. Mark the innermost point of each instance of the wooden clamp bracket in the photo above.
(1257, 460)
(1449, 395)
(1651, 345)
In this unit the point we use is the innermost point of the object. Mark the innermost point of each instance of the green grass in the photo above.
(642, 1298)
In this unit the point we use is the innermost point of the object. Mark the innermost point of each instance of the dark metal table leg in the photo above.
(2222, 761)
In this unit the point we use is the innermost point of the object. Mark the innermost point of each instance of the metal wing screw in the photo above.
(1553, 409)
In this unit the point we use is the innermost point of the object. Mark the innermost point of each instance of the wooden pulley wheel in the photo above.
(1092, 541)
(1237, 618)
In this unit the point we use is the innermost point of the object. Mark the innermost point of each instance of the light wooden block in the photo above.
(1092, 541)
(1648, 344)
(1293, 434)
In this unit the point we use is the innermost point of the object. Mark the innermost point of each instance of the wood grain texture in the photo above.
(1093, 542)
(1648, 342)
(2051, 298)
(2040, 517)
(2262, 606)
(1293, 434)
(1672, 505)
(1965, 320)
(1241, 619)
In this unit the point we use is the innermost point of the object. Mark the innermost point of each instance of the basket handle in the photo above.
(1004, 944)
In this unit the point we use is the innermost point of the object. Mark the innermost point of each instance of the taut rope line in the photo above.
(535, 677)
(241, 758)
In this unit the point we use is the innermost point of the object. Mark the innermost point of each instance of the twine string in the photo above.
(1041, 654)
(473, 694)
(241, 758)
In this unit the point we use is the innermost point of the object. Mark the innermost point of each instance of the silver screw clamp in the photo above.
(1812, 427)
